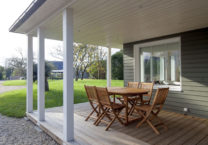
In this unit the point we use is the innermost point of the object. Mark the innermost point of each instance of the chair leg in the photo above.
(160, 123)
(114, 98)
(99, 110)
(122, 102)
(133, 103)
(116, 115)
(110, 124)
(102, 116)
(108, 116)
(140, 123)
(99, 120)
(153, 127)
(91, 113)
(143, 120)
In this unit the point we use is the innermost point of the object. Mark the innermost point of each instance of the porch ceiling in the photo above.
(114, 22)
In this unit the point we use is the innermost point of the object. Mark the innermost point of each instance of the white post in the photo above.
(41, 74)
(162, 68)
(68, 89)
(173, 68)
(109, 68)
(142, 68)
(29, 74)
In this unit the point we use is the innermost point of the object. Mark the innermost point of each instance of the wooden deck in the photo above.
(182, 130)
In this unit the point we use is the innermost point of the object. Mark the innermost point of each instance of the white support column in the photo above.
(173, 68)
(109, 68)
(29, 74)
(41, 74)
(68, 89)
(162, 68)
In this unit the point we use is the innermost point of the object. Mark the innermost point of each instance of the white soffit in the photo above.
(114, 22)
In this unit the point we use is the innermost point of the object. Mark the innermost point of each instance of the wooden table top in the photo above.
(126, 91)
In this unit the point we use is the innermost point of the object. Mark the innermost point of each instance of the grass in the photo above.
(15, 83)
(13, 103)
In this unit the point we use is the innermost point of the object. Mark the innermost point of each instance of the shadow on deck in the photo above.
(182, 130)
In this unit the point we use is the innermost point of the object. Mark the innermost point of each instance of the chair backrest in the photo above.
(160, 97)
(91, 93)
(133, 84)
(103, 96)
(147, 86)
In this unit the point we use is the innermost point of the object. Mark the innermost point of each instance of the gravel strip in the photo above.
(15, 131)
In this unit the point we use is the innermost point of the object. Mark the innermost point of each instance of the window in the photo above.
(160, 62)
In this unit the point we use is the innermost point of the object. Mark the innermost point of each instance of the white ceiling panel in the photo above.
(114, 22)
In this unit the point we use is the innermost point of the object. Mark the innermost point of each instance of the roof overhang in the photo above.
(114, 22)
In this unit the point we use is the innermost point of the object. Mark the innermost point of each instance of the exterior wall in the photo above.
(194, 61)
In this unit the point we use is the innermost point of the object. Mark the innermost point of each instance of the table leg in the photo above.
(141, 98)
(127, 113)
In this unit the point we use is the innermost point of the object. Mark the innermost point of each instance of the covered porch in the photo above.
(118, 24)
(182, 129)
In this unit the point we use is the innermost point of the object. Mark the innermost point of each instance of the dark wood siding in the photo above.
(128, 60)
(194, 57)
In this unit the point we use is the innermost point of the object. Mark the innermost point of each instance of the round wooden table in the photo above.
(126, 93)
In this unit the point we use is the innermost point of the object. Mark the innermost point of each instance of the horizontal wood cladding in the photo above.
(128, 61)
(194, 51)
(195, 74)
(195, 79)
(194, 61)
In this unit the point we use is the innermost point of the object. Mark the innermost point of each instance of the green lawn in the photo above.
(15, 83)
(14, 103)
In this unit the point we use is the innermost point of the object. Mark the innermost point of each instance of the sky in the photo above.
(10, 10)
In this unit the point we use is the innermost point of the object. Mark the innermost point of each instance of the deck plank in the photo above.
(182, 130)
(197, 137)
(186, 133)
(204, 141)
(148, 131)
(172, 123)
(173, 130)
(175, 122)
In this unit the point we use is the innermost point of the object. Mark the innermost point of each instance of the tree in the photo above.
(1, 72)
(87, 59)
(84, 56)
(48, 68)
(98, 70)
(8, 72)
(98, 67)
(17, 64)
(117, 65)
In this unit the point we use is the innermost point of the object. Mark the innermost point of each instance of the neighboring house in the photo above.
(57, 73)
(17, 78)
(57, 64)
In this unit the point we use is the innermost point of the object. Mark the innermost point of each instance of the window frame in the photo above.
(137, 58)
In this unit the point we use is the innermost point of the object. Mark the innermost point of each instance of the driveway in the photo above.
(9, 88)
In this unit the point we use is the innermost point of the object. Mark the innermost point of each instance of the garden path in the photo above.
(9, 88)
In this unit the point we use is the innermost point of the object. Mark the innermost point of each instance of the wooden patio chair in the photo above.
(93, 100)
(108, 108)
(149, 87)
(146, 100)
(149, 112)
(130, 85)
(133, 84)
